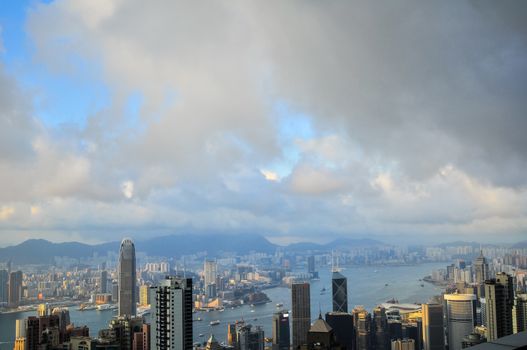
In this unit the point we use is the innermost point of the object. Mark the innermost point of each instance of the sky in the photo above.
(298, 120)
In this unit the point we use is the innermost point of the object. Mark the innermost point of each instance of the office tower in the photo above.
(42, 310)
(380, 324)
(4, 282)
(301, 308)
(433, 332)
(520, 307)
(209, 277)
(403, 344)
(115, 291)
(249, 338)
(499, 297)
(126, 279)
(321, 335)
(342, 324)
(311, 268)
(171, 304)
(144, 295)
(339, 286)
(281, 336)
(414, 330)
(32, 333)
(141, 340)
(362, 327)
(231, 334)
(15, 288)
(64, 321)
(460, 315)
(394, 329)
(103, 284)
(481, 271)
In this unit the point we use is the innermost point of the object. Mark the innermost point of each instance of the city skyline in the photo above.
(399, 121)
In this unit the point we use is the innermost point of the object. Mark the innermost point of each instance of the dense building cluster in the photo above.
(482, 302)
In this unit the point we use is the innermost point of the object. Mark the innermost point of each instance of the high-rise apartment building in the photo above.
(433, 330)
(460, 315)
(301, 308)
(499, 295)
(339, 287)
(281, 336)
(171, 304)
(127, 279)
(15, 288)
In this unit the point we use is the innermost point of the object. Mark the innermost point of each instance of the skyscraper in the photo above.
(339, 286)
(209, 277)
(499, 295)
(342, 324)
(380, 323)
(433, 332)
(15, 288)
(301, 308)
(4, 282)
(171, 304)
(521, 312)
(103, 284)
(126, 279)
(460, 317)
(311, 268)
(481, 270)
(281, 337)
(362, 327)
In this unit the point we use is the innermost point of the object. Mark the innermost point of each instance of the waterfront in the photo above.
(366, 286)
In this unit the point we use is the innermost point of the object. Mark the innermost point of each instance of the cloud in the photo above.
(412, 119)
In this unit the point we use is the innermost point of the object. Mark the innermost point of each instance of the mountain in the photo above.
(520, 245)
(40, 251)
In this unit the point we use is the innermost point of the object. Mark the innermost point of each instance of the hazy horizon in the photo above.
(299, 120)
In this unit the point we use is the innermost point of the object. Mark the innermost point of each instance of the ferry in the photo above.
(279, 305)
(104, 307)
(201, 335)
(215, 323)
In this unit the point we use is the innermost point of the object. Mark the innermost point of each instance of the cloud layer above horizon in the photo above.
(298, 120)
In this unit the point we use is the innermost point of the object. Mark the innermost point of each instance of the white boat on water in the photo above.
(215, 323)
(105, 307)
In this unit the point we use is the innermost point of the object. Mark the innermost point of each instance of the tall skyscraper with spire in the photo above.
(127, 279)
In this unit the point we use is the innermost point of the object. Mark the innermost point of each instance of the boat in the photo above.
(104, 307)
(252, 310)
(386, 284)
(255, 319)
(201, 335)
(215, 323)
(279, 305)
(422, 285)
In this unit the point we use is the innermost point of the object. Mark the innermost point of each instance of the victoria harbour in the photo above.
(368, 286)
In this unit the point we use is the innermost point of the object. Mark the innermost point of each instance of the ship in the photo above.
(215, 323)
(279, 304)
(104, 307)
